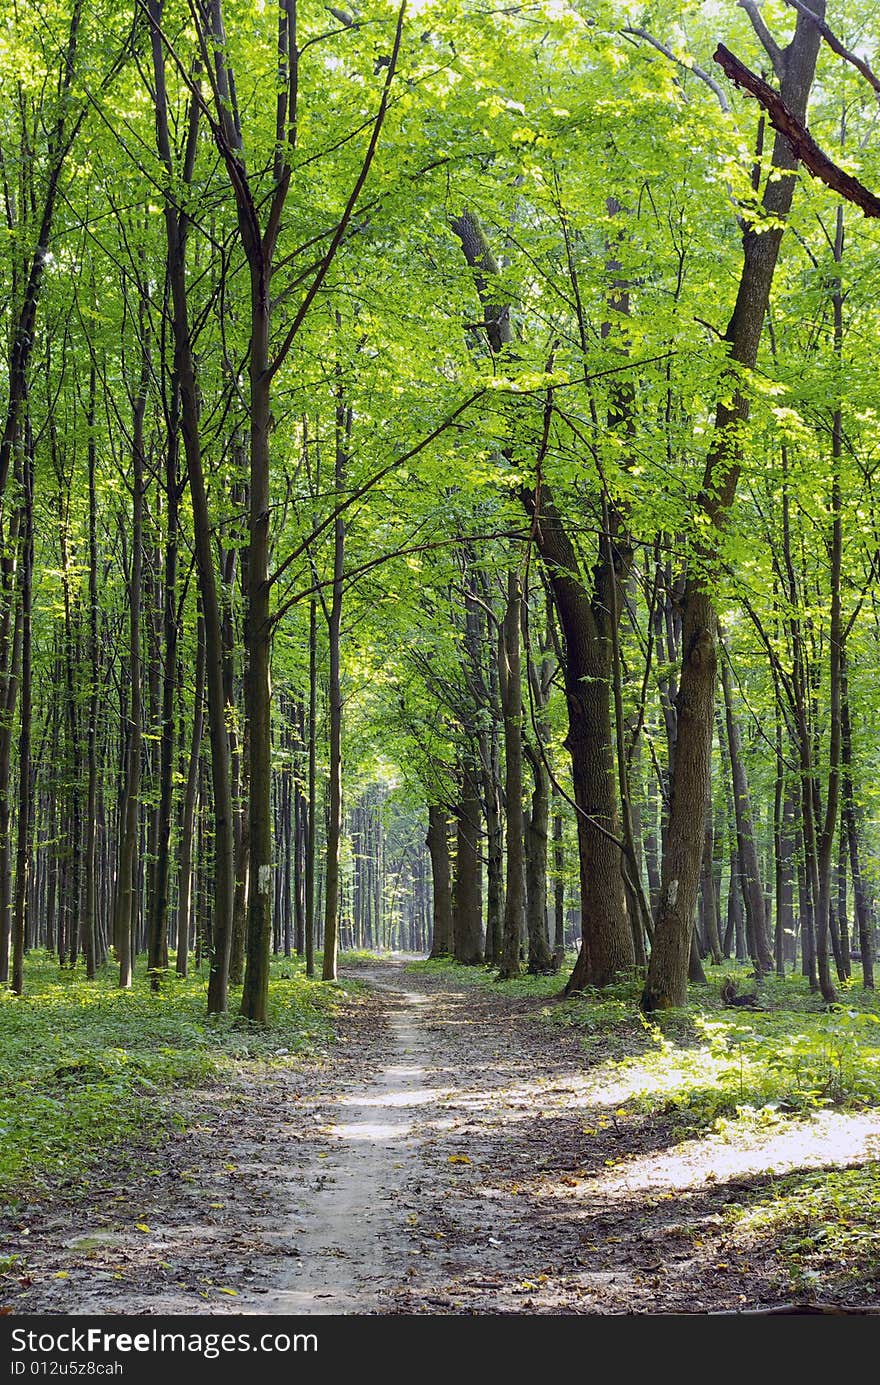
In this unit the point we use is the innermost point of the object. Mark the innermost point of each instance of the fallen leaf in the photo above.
(459, 1159)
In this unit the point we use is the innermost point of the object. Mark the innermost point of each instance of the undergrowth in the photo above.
(739, 1074)
(823, 1224)
(706, 1065)
(541, 987)
(85, 1067)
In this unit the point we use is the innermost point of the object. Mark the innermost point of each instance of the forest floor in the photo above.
(452, 1154)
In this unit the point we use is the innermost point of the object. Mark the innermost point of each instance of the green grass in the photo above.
(823, 1224)
(85, 1067)
(541, 987)
(707, 1064)
(794, 1056)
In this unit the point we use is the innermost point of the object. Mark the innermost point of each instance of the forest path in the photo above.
(450, 1154)
(353, 1246)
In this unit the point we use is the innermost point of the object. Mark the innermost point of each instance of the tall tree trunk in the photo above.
(851, 820)
(607, 948)
(753, 891)
(187, 823)
(176, 226)
(558, 893)
(607, 944)
(825, 845)
(467, 891)
(844, 965)
(71, 674)
(511, 702)
(334, 822)
(158, 923)
(10, 659)
(312, 818)
(127, 891)
(779, 866)
(23, 843)
(437, 842)
(90, 914)
(257, 685)
(490, 761)
(666, 982)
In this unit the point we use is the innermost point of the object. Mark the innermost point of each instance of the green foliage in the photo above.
(86, 1068)
(824, 1224)
(540, 987)
(710, 1067)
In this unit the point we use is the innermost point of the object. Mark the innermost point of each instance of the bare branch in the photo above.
(688, 67)
(802, 144)
(836, 46)
(768, 42)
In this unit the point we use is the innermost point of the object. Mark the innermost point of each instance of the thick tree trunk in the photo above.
(437, 842)
(511, 701)
(607, 944)
(666, 982)
(467, 942)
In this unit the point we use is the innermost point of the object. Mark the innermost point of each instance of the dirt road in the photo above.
(451, 1155)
